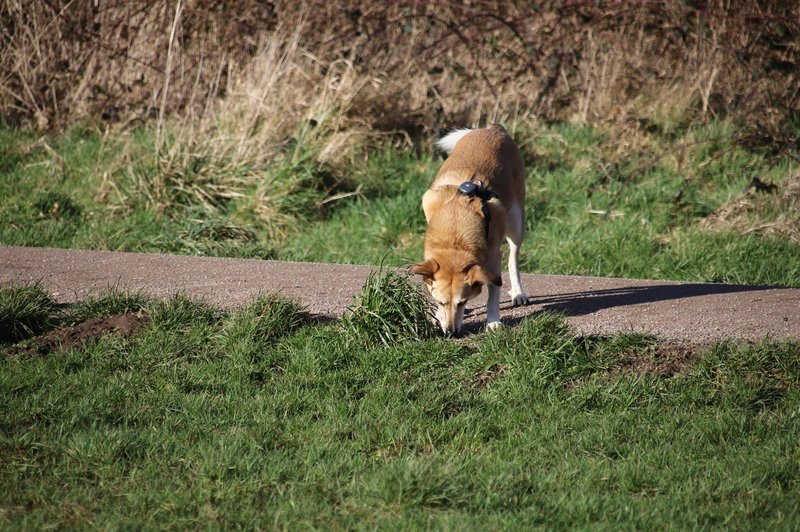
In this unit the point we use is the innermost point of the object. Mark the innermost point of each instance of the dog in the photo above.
(476, 200)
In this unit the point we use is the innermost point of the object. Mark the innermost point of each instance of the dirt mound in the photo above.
(666, 361)
(89, 331)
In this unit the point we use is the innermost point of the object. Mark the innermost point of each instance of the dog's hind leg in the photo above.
(516, 232)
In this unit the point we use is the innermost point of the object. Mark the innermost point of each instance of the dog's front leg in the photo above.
(493, 299)
(493, 309)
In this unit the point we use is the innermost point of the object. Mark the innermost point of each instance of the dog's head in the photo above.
(451, 285)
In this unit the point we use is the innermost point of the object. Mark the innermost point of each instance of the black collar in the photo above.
(477, 190)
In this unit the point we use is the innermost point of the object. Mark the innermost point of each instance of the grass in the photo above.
(390, 309)
(663, 205)
(263, 418)
(24, 311)
(112, 301)
(259, 418)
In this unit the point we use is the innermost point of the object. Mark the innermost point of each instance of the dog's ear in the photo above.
(475, 273)
(425, 268)
(430, 203)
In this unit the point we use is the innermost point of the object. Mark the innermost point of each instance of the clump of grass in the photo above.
(267, 152)
(547, 354)
(215, 229)
(57, 205)
(25, 311)
(113, 301)
(263, 322)
(300, 184)
(390, 309)
(215, 234)
(190, 173)
(182, 311)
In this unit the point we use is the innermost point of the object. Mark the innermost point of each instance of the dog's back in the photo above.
(489, 155)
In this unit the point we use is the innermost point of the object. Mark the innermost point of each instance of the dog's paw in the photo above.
(520, 299)
(493, 326)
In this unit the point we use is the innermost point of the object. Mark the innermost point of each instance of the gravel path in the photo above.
(684, 312)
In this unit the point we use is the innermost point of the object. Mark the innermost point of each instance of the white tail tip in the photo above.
(448, 143)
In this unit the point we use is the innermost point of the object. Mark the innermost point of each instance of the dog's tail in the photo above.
(448, 143)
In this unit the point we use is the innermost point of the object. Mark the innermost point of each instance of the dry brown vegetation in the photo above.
(770, 212)
(407, 66)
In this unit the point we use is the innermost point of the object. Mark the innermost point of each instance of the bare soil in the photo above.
(87, 332)
(669, 359)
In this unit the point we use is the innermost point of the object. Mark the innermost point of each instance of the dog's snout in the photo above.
(450, 322)
(456, 333)
(451, 330)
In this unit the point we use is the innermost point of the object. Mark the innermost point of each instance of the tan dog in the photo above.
(467, 224)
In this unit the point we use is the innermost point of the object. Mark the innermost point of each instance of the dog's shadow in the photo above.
(582, 303)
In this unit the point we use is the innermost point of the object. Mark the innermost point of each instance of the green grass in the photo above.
(657, 235)
(112, 301)
(390, 309)
(24, 311)
(265, 418)
(658, 192)
(260, 418)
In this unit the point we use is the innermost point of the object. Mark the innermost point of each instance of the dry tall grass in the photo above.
(772, 213)
(416, 65)
(284, 132)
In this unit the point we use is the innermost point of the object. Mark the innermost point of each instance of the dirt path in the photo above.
(685, 312)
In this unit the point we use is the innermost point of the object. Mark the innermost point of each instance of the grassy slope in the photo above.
(663, 190)
(260, 419)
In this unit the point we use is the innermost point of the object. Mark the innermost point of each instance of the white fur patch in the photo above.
(448, 143)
